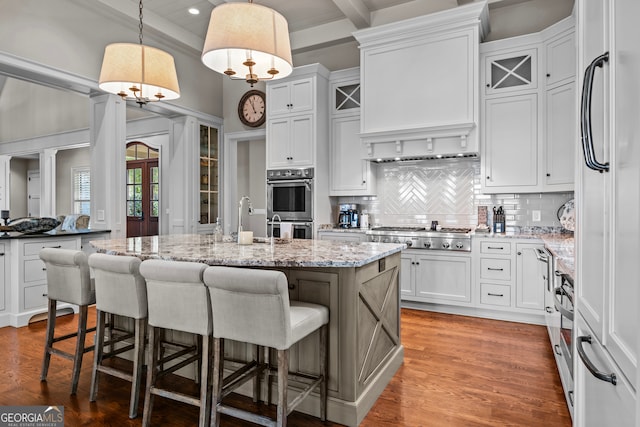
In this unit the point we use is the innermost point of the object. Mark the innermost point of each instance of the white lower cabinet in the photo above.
(29, 276)
(530, 281)
(443, 277)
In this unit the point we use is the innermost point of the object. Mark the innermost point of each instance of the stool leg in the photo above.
(324, 371)
(152, 373)
(256, 379)
(205, 383)
(283, 373)
(51, 326)
(218, 370)
(97, 354)
(138, 363)
(77, 359)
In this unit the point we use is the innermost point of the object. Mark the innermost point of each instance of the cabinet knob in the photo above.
(292, 286)
(364, 182)
(488, 177)
(519, 253)
(548, 174)
(548, 75)
(488, 85)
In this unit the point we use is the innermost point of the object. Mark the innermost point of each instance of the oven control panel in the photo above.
(280, 174)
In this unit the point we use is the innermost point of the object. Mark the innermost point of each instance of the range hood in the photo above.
(435, 142)
(420, 85)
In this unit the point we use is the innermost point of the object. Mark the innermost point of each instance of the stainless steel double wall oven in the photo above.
(290, 199)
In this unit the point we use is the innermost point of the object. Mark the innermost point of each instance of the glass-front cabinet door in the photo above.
(208, 176)
(513, 71)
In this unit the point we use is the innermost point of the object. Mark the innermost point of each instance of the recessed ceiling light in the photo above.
(194, 11)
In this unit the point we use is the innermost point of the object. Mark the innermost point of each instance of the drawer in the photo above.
(33, 248)
(497, 269)
(34, 271)
(502, 248)
(495, 294)
(35, 296)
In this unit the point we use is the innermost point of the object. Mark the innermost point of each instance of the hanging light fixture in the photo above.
(138, 72)
(247, 41)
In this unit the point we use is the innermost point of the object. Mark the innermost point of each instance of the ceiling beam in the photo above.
(356, 11)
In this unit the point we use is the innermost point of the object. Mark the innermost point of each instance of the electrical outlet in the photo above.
(535, 216)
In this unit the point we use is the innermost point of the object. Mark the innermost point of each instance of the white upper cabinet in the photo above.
(420, 84)
(297, 123)
(290, 97)
(510, 151)
(349, 174)
(560, 139)
(561, 59)
(529, 116)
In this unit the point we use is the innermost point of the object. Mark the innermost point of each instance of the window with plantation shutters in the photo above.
(81, 181)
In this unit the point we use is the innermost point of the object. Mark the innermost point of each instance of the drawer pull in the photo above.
(556, 348)
(494, 295)
(610, 378)
(498, 248)
(495, 269)
(53, 247)
(549, 310)
(44, 268)
(45, 295)
(1, 253)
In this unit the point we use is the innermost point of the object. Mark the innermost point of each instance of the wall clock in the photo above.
(252, 108)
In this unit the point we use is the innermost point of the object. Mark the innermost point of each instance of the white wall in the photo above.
(71, 36)
(251, 181)
(65, 160)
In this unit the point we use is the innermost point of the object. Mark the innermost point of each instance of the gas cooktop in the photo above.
(447, 238)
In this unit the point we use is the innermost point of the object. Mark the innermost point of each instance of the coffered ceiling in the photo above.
(312, 23)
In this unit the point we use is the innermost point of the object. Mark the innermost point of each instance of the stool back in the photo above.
(120, 288)
(68, 278)
(250, 305)
(177, 297)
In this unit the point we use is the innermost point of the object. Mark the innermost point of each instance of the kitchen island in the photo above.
(358, 282)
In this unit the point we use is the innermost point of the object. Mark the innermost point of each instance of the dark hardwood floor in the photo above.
(457, 371)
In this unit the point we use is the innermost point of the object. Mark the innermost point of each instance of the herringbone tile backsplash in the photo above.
(448, 191)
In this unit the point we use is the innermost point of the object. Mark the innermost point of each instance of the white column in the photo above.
(48, 182)
(183, 177)
(5, 182)
(107, 127)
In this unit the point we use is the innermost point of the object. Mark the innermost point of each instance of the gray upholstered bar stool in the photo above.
(178, 300)
(253, 306)
(68, 281)
(120, 290)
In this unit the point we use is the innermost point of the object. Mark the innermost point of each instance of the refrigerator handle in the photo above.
(610, 378)
(585, 115)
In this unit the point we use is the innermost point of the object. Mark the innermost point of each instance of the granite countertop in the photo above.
(52, 233)
(344, 230)
(283, 253)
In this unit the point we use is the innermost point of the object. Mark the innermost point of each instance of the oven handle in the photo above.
(558, 305)
(287, 181)
(610, 378)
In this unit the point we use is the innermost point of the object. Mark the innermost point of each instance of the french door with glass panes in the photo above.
(143, 191)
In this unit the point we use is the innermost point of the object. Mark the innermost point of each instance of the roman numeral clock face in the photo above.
(252, 108)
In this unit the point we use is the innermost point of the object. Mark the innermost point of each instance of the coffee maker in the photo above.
(348, 217)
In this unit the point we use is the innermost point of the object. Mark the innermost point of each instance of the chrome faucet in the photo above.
(242, 199)
(273, 220)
